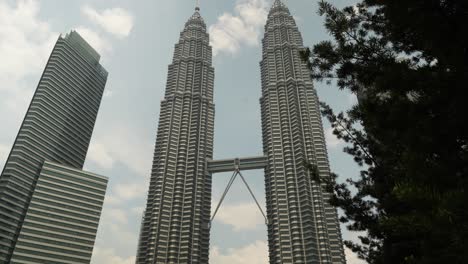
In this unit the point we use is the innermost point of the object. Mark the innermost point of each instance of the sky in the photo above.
(136, 41)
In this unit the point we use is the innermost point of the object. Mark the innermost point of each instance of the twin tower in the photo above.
(302, 225)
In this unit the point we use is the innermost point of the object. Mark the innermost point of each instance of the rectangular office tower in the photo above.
(175, 225)
(303, 226)
(57, 128)
(62, 218)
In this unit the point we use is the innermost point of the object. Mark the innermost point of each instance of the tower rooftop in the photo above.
(196, 19)
(278, 5)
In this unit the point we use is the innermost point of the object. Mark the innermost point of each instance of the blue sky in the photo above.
(136, 41)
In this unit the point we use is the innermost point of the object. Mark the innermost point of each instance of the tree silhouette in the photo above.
(407, 61)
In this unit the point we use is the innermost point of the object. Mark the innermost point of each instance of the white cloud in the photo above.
(298, 19)
(331, 140)
(111, 200)
(122, 193)
(123, 144)
(118, 220)
(108, 93)
(256, 253)
(98, 154)
(231, 31)
(95, 39)
(108, 256)
(116, 21)
(352, 258)
(138, 210)
(117, 215)
(129, 191)
(25, 41)
(4, 151)
(25, 44)
(121, 214)
(352, 99)
(117, 223)
(244, 216)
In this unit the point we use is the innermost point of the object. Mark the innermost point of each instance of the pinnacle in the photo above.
(196, 18)
(278, 3)
(196, 15)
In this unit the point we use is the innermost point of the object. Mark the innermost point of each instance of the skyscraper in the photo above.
(57, 128)
(62, 218)
(303, 226)
(175, 224)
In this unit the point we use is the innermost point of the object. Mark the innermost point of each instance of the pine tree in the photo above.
(407, 61)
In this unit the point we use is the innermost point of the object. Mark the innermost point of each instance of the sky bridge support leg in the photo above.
(228, 187)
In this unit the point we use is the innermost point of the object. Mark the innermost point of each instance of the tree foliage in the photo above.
(407, 61)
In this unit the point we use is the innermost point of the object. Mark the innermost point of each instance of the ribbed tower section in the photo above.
(175, 224)
(303, 226)
(57, 128)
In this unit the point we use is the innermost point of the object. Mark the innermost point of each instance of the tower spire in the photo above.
(278, 3)
(197, 7)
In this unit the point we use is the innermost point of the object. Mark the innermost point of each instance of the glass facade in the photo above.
(57, 127)
(62, 218)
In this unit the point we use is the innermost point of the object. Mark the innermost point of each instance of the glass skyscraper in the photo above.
(57, 128)
(62, 218)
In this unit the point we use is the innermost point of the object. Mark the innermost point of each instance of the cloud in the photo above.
(108, 93)
(130, 191)
(244, 216)
(4, 151)
(297, 18)
(116, 21)
(121, 193)
(122, 144)
(108, 256)
(98, 154)
(95, 39)
(352, 258)
(111, 200)
(331, 140)
(25, 41)
(231, 31)
(117, 215)
(117, 223)
(256, 253)
(25, 44)
(352, 99)
(138, 210)
(119, 220)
